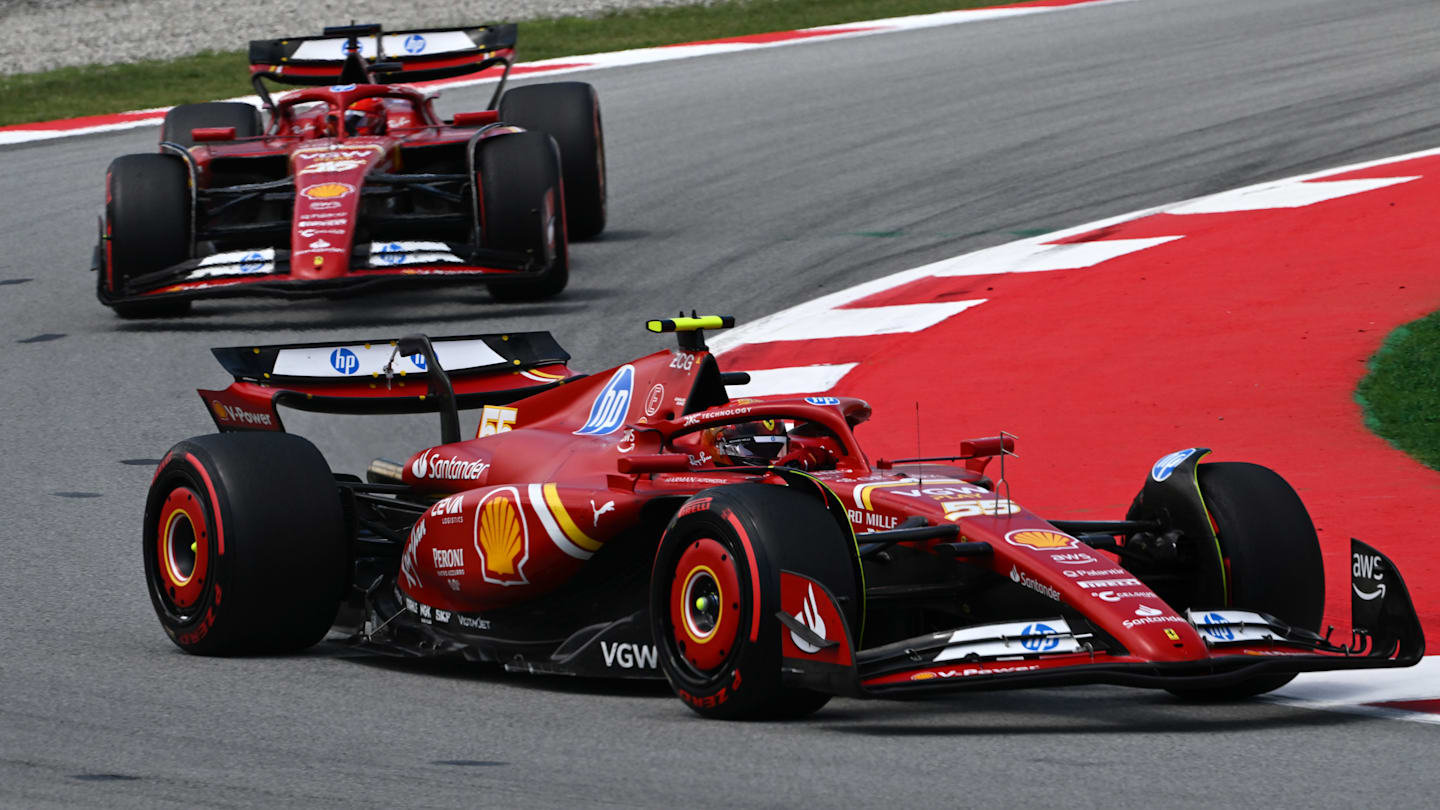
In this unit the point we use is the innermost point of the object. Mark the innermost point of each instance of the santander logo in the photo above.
(810, 615)
(432, 465)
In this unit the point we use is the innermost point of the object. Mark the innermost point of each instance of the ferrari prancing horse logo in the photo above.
(502, 538)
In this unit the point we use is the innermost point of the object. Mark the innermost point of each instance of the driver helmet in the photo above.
(756, 444)
(365, 117)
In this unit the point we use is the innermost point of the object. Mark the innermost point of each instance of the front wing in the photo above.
(1059, 651)
(268, 273)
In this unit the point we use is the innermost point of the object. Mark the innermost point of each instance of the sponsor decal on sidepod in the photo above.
(447, 469)
(611, 404)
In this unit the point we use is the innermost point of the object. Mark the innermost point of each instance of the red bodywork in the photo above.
(329, 168)
(553, 477)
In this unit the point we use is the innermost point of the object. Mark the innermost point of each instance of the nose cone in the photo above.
(329, 180)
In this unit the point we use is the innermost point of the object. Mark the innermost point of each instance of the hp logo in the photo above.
(611, 405)
(344, 361)
(1039, 638)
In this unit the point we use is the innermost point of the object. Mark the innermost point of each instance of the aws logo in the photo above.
(501, 537)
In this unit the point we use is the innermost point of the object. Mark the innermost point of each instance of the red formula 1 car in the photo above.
(356, 181)
(640, 522)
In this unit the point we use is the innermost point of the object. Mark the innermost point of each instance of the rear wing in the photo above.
(362, 54)
(419, 54)
(375, 377)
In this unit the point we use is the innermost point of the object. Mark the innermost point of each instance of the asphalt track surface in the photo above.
(740, 184)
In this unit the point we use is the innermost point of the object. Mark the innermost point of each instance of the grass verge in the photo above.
(1401, 393)
(77, 91)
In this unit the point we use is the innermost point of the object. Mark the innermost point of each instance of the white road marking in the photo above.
(824, 318)
(1351, 691)
(1284, 194)
(793, 380)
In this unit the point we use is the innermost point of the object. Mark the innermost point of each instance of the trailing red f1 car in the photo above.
(640, 522)
(356, 180)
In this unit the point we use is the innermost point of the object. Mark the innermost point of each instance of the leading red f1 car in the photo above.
(356, 180)
(641, 522)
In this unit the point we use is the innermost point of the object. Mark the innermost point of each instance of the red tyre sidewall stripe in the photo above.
(214, 502)
(754, 573)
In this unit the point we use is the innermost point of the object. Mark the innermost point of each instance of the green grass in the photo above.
(73, 92)
(1401, 394)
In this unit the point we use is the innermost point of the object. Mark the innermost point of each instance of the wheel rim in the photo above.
(705, 605)
(182, 549)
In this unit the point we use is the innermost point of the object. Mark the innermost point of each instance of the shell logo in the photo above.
(1042, 539)
(327, 191)
(922, 676)
(219, 410)
(501, 537)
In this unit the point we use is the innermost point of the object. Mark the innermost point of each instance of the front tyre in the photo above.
(714, 592)
(147, 229)
(244, 544)
(1272, 556)
(522, 210)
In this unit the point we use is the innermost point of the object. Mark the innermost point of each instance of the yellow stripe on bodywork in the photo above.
(579, 538)
(862, 492)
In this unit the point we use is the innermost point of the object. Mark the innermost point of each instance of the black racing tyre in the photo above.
(147, 219)
(522, 209)
(570, 113)
(1273, 555)
(703, 601)
(180, 120)
(244, 544)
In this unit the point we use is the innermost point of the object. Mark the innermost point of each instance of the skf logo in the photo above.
(502, 538)
(1042, 539)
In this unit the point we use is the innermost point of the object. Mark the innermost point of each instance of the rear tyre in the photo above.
(244, 544)
(522, 209)
(704, 601)
(180, 120)
(147, 217)
(570, 113)
(1273, 554)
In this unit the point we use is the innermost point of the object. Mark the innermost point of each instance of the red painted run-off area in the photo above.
(1248, 336)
